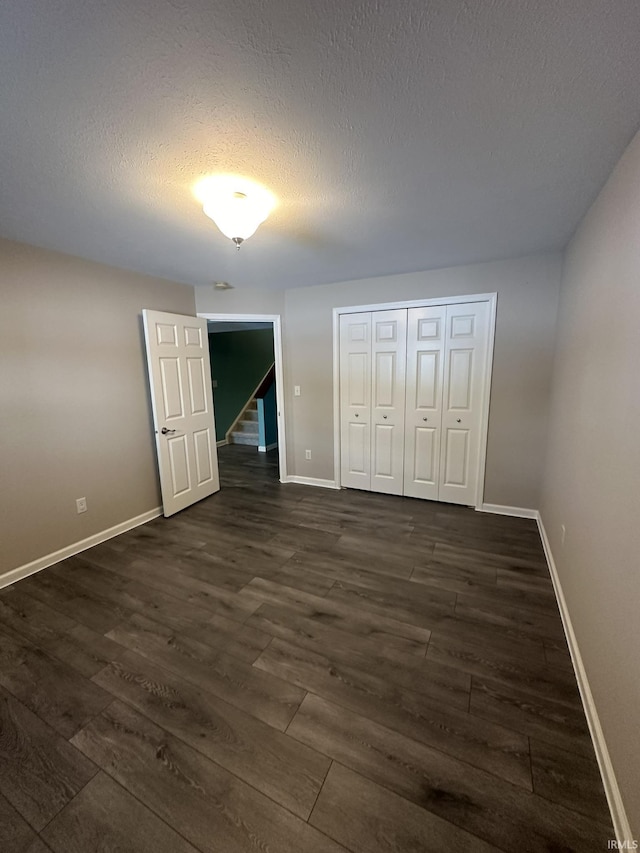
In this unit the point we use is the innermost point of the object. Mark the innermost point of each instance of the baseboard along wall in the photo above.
(312, 481)
(614, 798)
(515, 511)
(20, 572)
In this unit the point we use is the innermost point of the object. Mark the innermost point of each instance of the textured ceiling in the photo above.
(398, 135)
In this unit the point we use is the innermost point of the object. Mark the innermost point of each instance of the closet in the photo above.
(412, 399)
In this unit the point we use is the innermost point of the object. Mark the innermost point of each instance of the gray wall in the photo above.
(74, 411)
(527, 305)
(592, 474)
(240, 301)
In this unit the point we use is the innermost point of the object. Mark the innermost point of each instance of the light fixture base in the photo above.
(238, 241)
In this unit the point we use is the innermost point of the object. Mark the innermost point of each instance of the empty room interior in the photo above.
(319, 406)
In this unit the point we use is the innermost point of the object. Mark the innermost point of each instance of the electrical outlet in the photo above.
(81, 505)
(307, 454)
(563, 533)
(296, 390)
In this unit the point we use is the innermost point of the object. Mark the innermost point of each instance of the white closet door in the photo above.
(355, 400)
(466, 351)
(388, 363)
(423, 414)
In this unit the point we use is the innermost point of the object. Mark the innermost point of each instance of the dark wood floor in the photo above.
(285, 668)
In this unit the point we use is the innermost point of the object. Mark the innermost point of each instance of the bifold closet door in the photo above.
(412, 385)
(355, 400)
(465, 373)
(423, 417)
(388, 369)
(372, 380)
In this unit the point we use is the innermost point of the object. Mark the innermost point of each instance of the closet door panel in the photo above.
(425, 460)
(388, 356)
(456, 463)
(466, 351)
(355, 400)
(358, 450)
(382, 455)
(423, 412)
(460, 380)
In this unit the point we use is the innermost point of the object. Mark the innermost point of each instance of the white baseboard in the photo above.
(515, 511)
(222, 442)
(312, 481)
(44, 562)
(614, 798)
(263, 449)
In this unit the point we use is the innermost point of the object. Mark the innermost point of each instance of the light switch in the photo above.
(296, 390)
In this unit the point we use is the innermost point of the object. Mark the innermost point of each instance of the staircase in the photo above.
(245, 430)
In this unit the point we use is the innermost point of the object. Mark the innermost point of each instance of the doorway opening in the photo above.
(246, 372)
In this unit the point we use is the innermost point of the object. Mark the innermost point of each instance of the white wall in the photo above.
(74, 412)
(592, 474)
(527, 305)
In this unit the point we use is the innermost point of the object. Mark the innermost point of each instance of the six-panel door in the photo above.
(425, 367)
(388, 364)
(182, 403)
(465, 355)
(355, 400)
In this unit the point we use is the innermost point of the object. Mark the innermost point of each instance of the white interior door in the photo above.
(355, 400)
(182, 402)
(423, 415)
(388, 363)
(466, 351)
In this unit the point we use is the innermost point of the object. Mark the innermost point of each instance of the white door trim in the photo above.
(276, 322)
(491, 298)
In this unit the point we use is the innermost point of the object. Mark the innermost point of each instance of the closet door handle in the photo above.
(385, 417)
(425, 419)
(457, 420)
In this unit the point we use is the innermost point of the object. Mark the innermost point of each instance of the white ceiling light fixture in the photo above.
(237, 206)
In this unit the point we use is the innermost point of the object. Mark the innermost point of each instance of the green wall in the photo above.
(239, 360)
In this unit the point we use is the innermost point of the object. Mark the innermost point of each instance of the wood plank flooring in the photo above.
(295, 670)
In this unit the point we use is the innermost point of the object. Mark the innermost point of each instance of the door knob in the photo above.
(457, 420)
(357, 415)
(425, 419)
(165, 431)
(385, 417)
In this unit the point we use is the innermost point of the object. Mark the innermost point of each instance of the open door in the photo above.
(182, 402)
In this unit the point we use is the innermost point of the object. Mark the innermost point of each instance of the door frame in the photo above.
(491, 299)
(276, 323)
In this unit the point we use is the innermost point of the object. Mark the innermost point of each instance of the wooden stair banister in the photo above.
(266, 383)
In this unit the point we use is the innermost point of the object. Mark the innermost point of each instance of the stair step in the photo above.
(246, 430)
(244, 438)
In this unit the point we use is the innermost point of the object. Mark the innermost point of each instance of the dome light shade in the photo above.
(236, 205)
